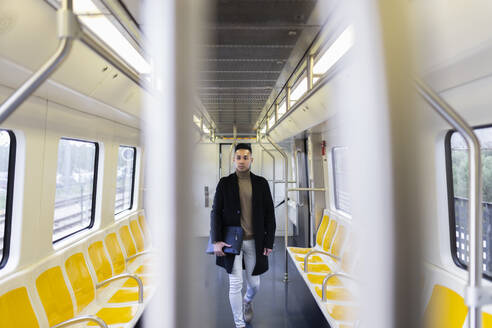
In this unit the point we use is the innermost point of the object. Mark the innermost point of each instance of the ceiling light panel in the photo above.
(99, 23)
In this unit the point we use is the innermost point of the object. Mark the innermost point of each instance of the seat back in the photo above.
(322, 229)
(54, 295)
(100, 261)
(16, 310)
(80, 279)
(143, 224)
(339, 240)
(330, 232)
(115, 253)
(486, 320)
(127, 240)
(137, 235)
(446, 308)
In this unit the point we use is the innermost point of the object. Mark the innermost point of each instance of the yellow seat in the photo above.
(83, 286)
(343, 312)
(116, 315)
(143, 269)
(124, 296)
(56, 300)
(137, 235)
(322, 229)
(317, 279)
(446, 308)
(319, 237)
(54, 296)
(339, 240)
(300, 250)
(143, 224)
(127, 241)
(115, 253)
(133, 283)
(316, 267)
(312, 259)
(335, 294)
(330, 232)
(16, 310)
(486, 320)
(100, 261)
(81, 280)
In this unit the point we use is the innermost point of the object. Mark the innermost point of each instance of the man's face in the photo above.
(243, 160)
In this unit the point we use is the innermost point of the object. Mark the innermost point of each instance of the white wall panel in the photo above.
(205, 174)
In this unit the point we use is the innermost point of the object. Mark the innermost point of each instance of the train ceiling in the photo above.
(253, 47)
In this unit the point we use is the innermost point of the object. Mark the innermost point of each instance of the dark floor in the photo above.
(277, 304)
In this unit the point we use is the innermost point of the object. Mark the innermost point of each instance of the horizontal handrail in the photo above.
(331, 275)
(307, 189)
(125, 276)
(134, 256)
(84, 318)
(68, 28)
(315, 251)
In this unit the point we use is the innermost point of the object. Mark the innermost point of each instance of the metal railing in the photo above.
(286, 196)
(68, 28)
(475, 294)
(258, 138)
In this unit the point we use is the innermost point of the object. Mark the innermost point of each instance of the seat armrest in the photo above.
(331, 275)
(83, 318)
(315, 251)
(123, 276)
(148, 252)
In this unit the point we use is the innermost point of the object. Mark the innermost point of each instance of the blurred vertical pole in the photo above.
(159, 134)
(380, 124)
(405, 121)
(167, 123)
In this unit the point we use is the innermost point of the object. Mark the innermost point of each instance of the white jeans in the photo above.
(236, 281)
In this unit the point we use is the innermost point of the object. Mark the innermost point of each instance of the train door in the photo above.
(225, 158)
(315, 176)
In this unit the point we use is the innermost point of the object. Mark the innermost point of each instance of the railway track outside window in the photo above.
(76, 180)
(457, 169)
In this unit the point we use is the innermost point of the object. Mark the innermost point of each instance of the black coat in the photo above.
(226, 211)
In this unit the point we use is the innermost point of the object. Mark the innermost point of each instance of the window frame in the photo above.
(94, 189)
(9, 198)
(335, 197)
(450, 196)
(133, 178)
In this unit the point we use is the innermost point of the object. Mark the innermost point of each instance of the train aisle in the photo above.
(277, 305)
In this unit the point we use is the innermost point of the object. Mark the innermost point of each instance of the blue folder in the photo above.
(233, 236)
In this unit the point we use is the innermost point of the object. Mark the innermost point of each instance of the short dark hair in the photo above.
(246, 146)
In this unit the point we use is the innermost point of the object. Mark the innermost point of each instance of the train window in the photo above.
(125, 179)
(76, 179)
(458, 173)
(271, 121)
(299, 90)
(340, 178)
(334, 52)
(282, 108)
(7, 166)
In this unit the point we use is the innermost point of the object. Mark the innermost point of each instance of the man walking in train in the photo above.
(243, 199)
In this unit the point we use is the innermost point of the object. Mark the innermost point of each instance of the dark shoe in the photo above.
(248, 312)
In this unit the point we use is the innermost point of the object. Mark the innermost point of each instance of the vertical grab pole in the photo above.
(234, 131)
(286, 183)
(68, 28)
(258, 138)
(475, 198)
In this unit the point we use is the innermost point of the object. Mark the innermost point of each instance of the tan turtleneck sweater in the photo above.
(245, 198)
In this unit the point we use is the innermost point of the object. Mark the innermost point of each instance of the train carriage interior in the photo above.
(369, 122)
